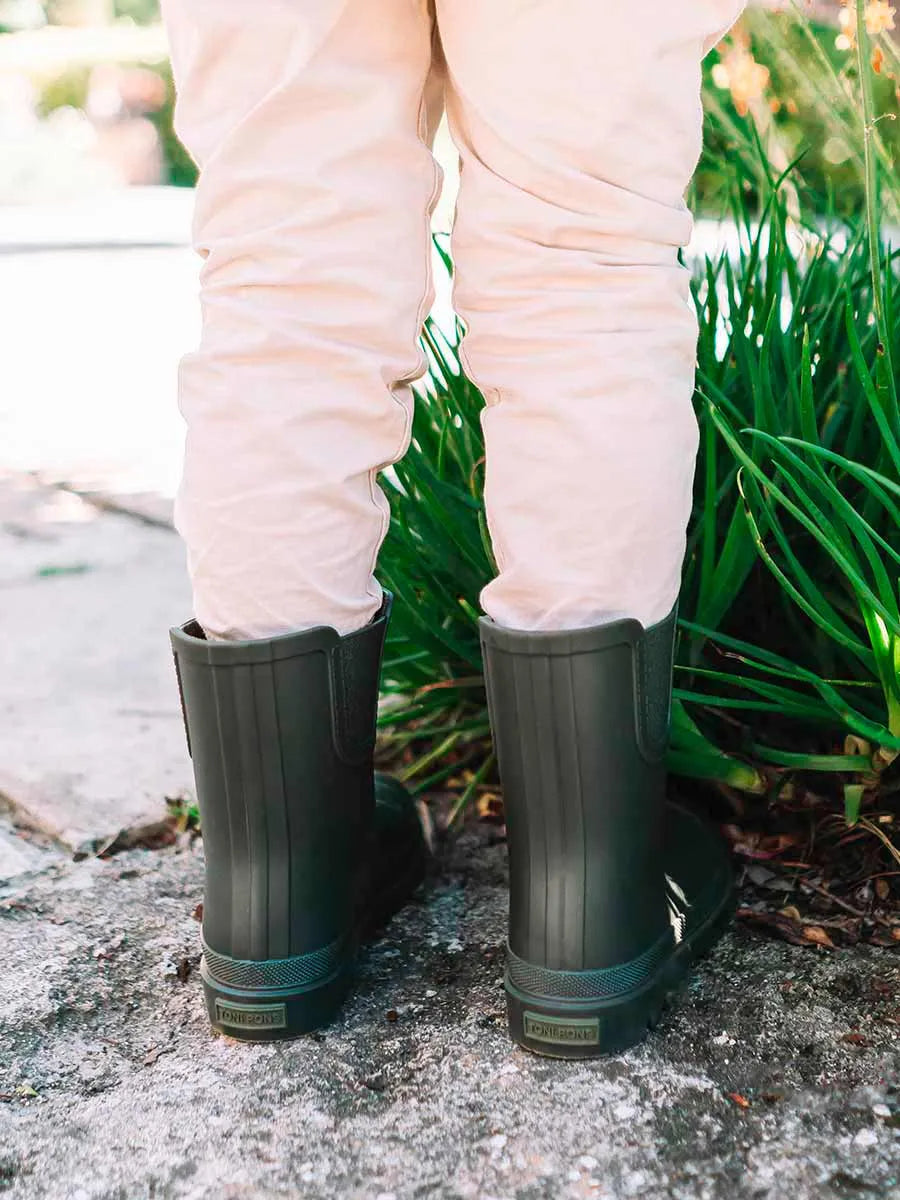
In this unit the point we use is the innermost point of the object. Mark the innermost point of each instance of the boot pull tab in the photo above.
(187, 731)
(653, 662)
(354, 670)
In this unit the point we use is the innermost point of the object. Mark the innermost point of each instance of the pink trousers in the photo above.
(578, 124)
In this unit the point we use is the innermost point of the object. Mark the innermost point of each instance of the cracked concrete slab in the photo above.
(20, 852)
(775, 1074)
(91, 738)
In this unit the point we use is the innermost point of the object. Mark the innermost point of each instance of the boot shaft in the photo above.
(580, 721)
(281, 732)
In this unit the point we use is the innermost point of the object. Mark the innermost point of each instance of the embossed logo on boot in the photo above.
(562, 1031)
(251, 1016)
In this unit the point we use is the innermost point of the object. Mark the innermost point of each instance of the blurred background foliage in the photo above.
(86, 97)
(793, 76)
(771, 70)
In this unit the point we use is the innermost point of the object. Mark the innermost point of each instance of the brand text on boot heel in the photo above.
(251, 1016)
(562, 1031)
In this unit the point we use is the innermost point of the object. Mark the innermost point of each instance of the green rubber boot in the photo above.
(305, 849)
(612, 891)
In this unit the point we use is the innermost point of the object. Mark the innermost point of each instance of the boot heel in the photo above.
(558, 1029)
(583, 1014)
(276, 998)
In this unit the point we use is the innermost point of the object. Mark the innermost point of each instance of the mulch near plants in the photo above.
(808, 877)
(805, 876)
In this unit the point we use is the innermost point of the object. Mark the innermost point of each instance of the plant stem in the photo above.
(463, 801)
(882, 836)
(427, 759)
(873, 225)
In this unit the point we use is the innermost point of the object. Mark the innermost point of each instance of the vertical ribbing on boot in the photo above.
(546, 805)
(256, 829)
(549, 805)
(248, 863)
(571, 788)
(231, 789)
(534, 885)
(561, 799)
(278, 933)
(556, 842)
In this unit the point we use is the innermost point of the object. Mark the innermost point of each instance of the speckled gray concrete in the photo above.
(91, 736)
(114, 1087)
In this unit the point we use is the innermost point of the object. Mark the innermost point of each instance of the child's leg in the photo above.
(579, 126)
(313, 220)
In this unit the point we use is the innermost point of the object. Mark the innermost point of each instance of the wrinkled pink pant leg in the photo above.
(579, 127)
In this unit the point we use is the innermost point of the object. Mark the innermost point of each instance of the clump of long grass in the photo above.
(788, 660)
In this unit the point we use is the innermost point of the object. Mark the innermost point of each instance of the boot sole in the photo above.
(262, 1011)
(274, 1015)
(591, 1026)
